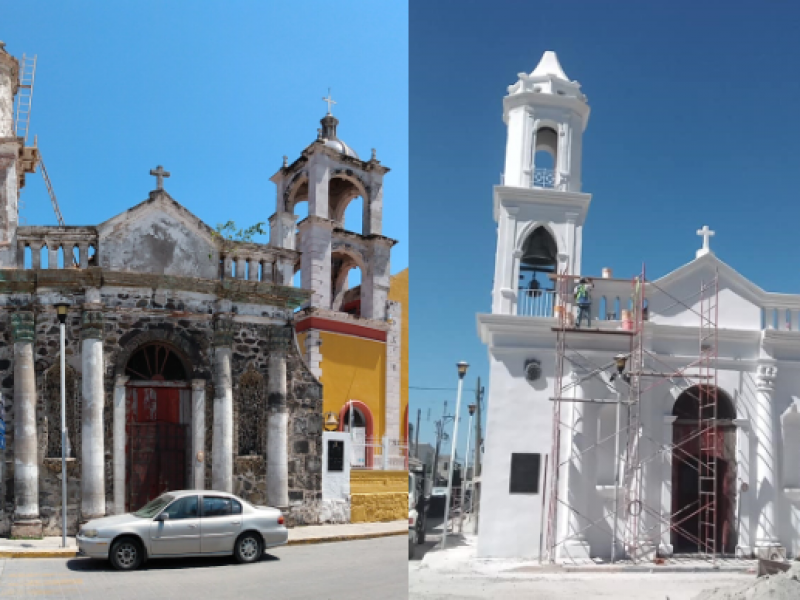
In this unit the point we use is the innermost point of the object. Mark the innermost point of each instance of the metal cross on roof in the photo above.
(159, 174)
(329, 100)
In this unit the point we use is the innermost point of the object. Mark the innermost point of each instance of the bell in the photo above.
(540, 249)
(331, 422)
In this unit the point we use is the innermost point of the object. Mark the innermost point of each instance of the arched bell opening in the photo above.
(537, 265)
(545, 158)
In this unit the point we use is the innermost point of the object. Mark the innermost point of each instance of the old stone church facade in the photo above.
(182, 366)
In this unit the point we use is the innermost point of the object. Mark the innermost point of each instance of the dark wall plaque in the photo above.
(335, 455)
(525, 473)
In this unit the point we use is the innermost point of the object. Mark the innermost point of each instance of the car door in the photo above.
(180, 534)
(219, 524)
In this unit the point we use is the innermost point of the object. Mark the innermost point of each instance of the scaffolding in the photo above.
(637, 522)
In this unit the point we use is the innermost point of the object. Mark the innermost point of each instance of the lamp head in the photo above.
(462, 368)
(61, 311)
(471, 408)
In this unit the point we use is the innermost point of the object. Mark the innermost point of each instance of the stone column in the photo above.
(278, 420)
(26, 460)
(375, 282)
(93, 481)
(240, 267)
(119, 443)
(767, 542)
(36, 255)
(52, 254)
(222, 440)
(83, 253)
(198, 434)
(577, 494)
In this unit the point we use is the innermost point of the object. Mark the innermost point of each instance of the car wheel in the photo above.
(126, 554)
(248, 548)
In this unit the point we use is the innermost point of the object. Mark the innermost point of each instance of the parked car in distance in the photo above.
(181, 524)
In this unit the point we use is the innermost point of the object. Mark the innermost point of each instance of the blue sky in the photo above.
(694, 121)
(217, 92)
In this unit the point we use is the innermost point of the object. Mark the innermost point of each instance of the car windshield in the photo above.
(152, 508)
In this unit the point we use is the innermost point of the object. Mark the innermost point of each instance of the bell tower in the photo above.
(539, 207)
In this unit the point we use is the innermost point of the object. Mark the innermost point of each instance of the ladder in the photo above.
(51, 192)
(707, 425)
(27, 71)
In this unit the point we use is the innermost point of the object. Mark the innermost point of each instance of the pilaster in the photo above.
(198, 459)
(315, 261)
(282, 230)
(375, 282)
(120, 392)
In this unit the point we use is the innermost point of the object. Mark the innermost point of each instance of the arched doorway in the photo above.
(703, 472)
(362, 430)
(158, 409)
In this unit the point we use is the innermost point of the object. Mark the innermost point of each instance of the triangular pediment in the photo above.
(158, 236)
(675, 299)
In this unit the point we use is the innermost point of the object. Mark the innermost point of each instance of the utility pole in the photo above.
(439, 434)
(416, 434)
(476, 468)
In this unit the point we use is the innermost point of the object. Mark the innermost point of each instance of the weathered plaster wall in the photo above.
(156, 238)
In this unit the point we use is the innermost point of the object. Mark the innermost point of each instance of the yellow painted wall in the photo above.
(378, 496)
(398, 292)
(354, 369)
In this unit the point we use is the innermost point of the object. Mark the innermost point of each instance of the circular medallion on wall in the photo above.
(533, 370)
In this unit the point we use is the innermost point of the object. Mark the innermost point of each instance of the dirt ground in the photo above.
(569, 586)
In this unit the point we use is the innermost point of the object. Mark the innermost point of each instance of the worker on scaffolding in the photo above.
(583, 299)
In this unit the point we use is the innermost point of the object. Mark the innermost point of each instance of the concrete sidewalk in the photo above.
(50, 547)
(459, 558)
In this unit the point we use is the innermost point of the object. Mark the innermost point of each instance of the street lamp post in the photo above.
(61, 310)
(471, 408)
(462, 370)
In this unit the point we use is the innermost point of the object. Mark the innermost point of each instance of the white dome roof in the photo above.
(341, 147)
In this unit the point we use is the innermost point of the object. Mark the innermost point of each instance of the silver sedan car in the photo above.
(185, 523)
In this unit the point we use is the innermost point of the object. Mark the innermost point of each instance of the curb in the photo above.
(39, 554)
(345, 538)
(73, 553)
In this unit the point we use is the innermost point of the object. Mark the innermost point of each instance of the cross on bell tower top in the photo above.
(705, 233)
(330, 101)
(159, 173)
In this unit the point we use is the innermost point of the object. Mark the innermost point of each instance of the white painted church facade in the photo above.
(540, 212)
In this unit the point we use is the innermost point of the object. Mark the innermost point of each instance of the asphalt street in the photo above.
(353, 570)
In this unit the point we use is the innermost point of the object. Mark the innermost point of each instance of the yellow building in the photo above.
(364, 365)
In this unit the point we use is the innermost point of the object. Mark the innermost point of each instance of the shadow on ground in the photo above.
(433, 538)
(163, 564)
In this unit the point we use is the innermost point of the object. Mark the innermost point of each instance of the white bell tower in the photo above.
(539, 207)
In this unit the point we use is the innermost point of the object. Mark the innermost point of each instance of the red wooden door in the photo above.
(156, 444)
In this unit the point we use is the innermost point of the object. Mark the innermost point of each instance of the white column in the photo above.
(277, 428)
(767, 542)
(93, 486)
(665, 546)
(26, 461)
(577, 494)
(198, 433)
(119, 443)
(222, 442)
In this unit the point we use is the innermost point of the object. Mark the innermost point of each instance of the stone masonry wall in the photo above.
(133, 317)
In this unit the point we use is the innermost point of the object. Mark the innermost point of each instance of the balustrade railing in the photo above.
(543, 178)
(535, 303)
(56, 247)
(387, 454)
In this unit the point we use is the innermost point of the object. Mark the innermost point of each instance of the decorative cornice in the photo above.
(92, 325)
(23, 326)
(223, 331)
(69, 281)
